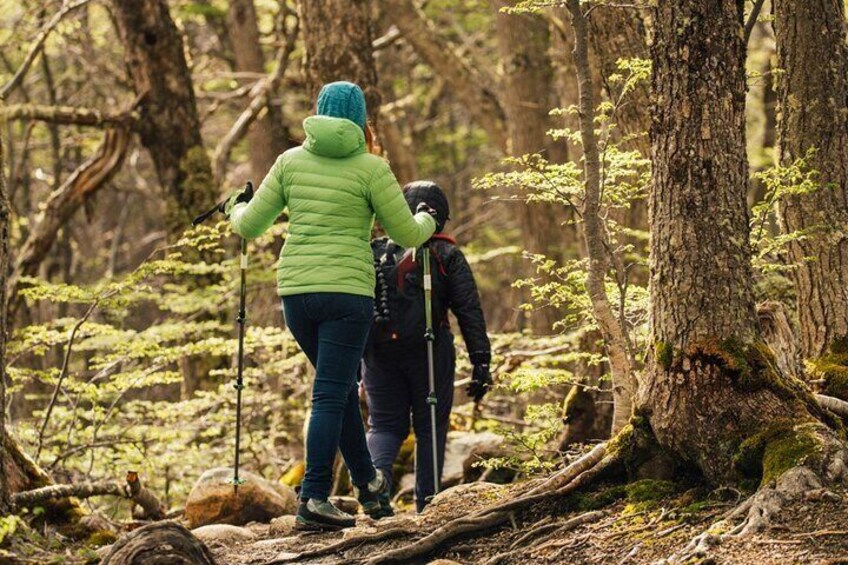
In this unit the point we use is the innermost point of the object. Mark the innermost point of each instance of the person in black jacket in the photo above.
(395, 377)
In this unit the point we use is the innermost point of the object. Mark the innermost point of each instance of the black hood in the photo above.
(429, 192)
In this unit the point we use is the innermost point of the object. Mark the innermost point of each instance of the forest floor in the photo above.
(626, 526)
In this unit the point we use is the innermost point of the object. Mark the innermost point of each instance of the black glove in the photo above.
(481, 382)
(244, 195)
(424, 207)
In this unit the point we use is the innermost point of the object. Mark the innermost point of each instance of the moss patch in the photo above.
(663, 354)
(595, 500)
(751, 366)
(777, 449)
(648, 490)
(101, 538)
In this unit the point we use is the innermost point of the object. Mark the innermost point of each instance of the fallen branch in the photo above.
(131, 489)
(69, 115)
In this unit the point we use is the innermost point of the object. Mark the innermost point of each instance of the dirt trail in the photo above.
(814, 532)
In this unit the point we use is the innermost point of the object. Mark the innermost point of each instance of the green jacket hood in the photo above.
(333, 137)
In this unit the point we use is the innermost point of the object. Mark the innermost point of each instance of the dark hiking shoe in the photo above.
(372, 496)
(320, 515)
(386, 509)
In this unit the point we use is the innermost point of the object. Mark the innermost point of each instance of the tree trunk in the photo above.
(338, 35)
(594, 234)
(5, 221)
(528, 94)
(267, 137)
(712, 383)
(169, 125)
(619, 33)
(813, 109)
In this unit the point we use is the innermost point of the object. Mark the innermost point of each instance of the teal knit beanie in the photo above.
(342, 100)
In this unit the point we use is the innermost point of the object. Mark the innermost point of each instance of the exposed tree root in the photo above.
(835, 405)
(756, 513)
(550, 530)
(579, 474)
(347, 543)
(576, 475)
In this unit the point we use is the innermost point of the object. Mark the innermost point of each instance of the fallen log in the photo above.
(160, 543)
(132, 489)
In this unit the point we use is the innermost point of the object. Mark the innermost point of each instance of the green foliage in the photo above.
(780, 183)
(8, 526)
(117, 410)
(560, 282)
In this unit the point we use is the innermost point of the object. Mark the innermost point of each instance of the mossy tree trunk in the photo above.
(528, 94)
(711, 384)
(267, 137)
(813, 108)
(169, 127)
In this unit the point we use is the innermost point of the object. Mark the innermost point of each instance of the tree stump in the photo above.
(162, 543)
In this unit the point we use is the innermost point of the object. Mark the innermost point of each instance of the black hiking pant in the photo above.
(396, 385)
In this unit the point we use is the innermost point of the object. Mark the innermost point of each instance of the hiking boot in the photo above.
(374, 497)
(386, 509)
(321, 515)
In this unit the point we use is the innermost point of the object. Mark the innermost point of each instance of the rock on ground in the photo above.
(282, 527)
(462, 449)
(212, 500)
(223, 534)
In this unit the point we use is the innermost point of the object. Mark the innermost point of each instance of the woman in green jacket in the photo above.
(332, 187)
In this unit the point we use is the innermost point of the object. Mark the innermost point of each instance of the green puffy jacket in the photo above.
(332, 188)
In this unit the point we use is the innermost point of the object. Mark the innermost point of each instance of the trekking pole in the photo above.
(240, 320)
(430, 336)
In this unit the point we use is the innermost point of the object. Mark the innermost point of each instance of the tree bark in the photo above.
(813, 108)
(169, 126)
(473, 89)
(619, 33)
(267, 138)
(338, 35)
(711, 382)
(5, 221)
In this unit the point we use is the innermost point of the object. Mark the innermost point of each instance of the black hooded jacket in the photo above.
(400, 317)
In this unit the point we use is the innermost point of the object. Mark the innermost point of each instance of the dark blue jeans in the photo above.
(331, 328)
(397, 385)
